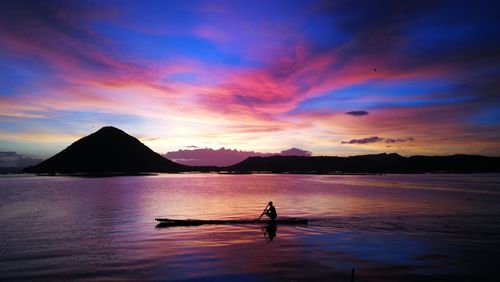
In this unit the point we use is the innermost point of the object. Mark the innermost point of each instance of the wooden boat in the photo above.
(168, 222)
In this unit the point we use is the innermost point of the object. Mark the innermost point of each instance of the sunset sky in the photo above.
(330, 77)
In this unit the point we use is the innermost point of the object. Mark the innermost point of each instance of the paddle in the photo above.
(263, 212)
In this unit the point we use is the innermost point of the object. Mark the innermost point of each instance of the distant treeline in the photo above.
(9, 170)
(379, 163)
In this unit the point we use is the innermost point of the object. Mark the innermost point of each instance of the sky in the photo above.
(330, 77)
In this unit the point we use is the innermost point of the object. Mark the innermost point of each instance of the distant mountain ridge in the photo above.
(377, 163)
(112, 151)
(108, 150)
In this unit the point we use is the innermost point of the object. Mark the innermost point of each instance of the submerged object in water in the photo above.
(167, 222)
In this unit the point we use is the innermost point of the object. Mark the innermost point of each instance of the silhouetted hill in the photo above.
(108, 150)
(378, 163)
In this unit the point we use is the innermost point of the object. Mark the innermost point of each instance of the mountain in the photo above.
(108, 150)
(378, 163)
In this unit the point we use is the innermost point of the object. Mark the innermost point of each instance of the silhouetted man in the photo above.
(271, 211)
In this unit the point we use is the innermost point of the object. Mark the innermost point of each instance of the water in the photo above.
(387, 227)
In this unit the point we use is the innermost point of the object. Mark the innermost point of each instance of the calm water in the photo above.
(386, 227)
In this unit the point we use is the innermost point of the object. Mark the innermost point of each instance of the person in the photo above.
(271, 211)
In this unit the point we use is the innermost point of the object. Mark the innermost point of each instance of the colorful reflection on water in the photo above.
(386, 227)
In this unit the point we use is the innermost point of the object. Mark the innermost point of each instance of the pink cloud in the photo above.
(223, 156)
(89, 73)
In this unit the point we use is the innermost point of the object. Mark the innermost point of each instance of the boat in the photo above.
(168, 222)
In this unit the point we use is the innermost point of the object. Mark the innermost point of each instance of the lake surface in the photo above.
(441, 227)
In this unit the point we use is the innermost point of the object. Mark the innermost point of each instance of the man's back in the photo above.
(271, 212)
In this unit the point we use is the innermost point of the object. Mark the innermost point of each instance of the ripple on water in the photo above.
(389, 228)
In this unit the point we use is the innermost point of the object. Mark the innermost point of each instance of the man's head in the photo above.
(270, 203)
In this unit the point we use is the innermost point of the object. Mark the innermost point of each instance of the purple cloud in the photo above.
(390, 140)
(223, 156)
(295, 152)
(357, 113)
(13, 159)
(376, 139)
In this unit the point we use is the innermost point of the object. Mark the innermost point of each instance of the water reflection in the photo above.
(270, 231)
(58, 228)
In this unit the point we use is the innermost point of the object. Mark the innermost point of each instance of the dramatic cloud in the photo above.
(253, 75)
(376, 139)
(357, 113)
(223, 156)
(13, 159)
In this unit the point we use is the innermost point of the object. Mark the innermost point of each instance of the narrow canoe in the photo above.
(167, 222)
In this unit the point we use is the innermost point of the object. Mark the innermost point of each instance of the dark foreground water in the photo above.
(386, 227)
